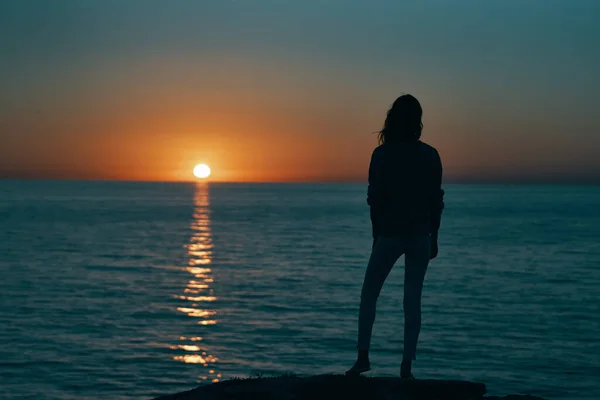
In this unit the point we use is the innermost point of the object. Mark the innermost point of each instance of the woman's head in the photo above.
(403, 121)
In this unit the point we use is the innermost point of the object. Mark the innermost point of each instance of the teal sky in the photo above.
(291, 90)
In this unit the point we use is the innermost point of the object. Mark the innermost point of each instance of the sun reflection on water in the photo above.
(198, 295)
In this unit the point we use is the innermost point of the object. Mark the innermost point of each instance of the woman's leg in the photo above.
(386, 252)
(416, 261)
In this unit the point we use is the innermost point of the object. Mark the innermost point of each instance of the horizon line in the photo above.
(533, 182)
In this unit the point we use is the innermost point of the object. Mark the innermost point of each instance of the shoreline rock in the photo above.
(290, 387)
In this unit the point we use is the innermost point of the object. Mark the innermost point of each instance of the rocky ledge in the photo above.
(290, 387)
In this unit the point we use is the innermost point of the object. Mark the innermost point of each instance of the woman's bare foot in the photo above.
(360, 366)
(406, 370)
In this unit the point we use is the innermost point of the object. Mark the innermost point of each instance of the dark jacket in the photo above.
(405, 193)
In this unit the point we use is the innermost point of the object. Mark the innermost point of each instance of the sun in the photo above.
(201, 171)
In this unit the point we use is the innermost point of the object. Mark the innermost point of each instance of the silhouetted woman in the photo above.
(406, 201)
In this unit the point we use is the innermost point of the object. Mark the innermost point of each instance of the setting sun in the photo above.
(201, 171)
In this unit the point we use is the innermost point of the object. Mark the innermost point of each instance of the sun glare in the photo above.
(201, 171)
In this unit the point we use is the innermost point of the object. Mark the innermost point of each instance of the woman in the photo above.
(406, 201)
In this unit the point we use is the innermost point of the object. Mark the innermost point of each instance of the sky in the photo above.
(277, 90)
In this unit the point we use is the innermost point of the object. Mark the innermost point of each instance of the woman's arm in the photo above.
(374, 190)
(436, 204)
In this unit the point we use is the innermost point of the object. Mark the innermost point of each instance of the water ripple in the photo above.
(131, 290)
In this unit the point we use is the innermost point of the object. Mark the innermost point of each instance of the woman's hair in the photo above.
(403, 121)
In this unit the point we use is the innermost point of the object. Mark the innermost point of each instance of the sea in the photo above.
(132, 290)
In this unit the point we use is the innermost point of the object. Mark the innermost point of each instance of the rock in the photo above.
(334, 387)
(514, 397)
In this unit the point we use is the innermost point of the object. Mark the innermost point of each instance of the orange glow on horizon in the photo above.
(247, 129)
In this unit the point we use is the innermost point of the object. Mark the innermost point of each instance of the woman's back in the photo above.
(405, 188)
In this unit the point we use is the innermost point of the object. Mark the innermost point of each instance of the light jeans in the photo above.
(386, 252)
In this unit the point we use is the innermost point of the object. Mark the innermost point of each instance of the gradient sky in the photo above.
(276, 90)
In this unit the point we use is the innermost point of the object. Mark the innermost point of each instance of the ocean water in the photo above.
(133, 290)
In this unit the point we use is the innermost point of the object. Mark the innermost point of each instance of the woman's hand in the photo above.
(434, 246)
